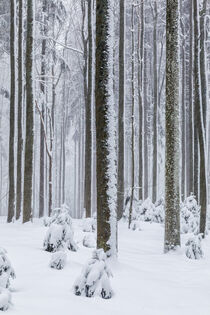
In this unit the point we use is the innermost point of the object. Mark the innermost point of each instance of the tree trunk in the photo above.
(43, 91)
(132, 123)
(105, 130)
(199, 120)
(11, 202)
(120, 172)
(88, 118)
(172, 200)
(155, 104)
(140, 92)
(28, 170)
(146, 157)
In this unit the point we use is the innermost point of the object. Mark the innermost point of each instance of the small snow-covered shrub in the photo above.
(58, 260)
(190, 214)
(95, 277)
(58, 236)
(59, 216)
(89, 224)
(89, 240)
(6, 270)
(194, 247)
(5, 299)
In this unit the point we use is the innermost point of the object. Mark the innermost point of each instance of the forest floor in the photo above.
(145, 282)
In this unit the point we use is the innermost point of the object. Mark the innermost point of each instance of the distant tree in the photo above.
(172, 199)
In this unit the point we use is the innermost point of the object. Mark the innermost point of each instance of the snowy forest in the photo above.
(105, 157)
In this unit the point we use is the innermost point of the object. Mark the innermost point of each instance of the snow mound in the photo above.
(5, 299)
(95, 277)
(6, 270)
(58, 260)
(89, 240)
(194, 247)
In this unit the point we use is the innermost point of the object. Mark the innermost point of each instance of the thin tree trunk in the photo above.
(120, 173)
(146, 157)
(11, 202)
(155, 104)
(172, 200)
(28, 170)
(132, 123)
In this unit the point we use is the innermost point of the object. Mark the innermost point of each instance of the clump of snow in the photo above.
(58, 260)
(194, 247)
(5, 299)
(58, 236)
(95, 277)
(89, 240)
(89, 224)
(6, 270)
(146, 211)
(190, 214)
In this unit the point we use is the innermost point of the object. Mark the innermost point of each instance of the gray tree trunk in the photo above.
(172, 199)
(11, 202)
(28, 168)
(120, 175)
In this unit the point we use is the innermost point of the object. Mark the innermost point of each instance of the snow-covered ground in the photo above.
(146, 281)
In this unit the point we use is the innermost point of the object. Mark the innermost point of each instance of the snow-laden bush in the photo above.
(6, 270)
(89, 240)
(58, 260)
(95, 277)
(5, 299)
(89, 224)
(194, 247)
(190, 214)
(59, 216)
(58, 236)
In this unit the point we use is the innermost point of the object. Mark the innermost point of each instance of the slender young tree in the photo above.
(20, 104)
(172, 199)
(88, 117)
(28, 169)
(11, 203)
(105, 130)
(120, 173)
(199, 118)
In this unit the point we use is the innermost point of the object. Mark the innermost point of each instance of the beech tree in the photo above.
(105, 130)
(172, 199)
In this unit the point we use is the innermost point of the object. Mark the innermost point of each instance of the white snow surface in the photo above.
(145, 282)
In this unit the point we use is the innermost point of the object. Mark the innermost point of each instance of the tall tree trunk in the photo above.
(190, 142)
(11, 202)
(199, 120)
(172, 200)
(105, 130)
(120, 172)
(88, 118)
(132, 122)
(155, 104)
(146, 157)
(43, 91)
(140, 92)
(28, 169)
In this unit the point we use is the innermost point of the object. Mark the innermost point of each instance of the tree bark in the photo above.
(28, 169)
(11, 202)
(120, 173)
(105, 131)
(172, 199)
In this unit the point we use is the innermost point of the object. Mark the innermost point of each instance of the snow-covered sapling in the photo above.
(6, 270)
(190, 213)
(89, 224)
(54, 239)
(58, 260)
(95, 277)
(89, 240)
(194, 247)
(5, 299)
